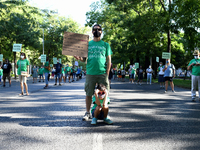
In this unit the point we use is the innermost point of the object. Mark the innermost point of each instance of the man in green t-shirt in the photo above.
(67, 73)
(41, 72)
(195, 65)
(98, 66)
(1, 73)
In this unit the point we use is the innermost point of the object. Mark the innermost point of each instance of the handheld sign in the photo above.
(1, 57)
(43, 58)
(121, 66)
(75, 44)
(157, 59)
(166, 55)
(54, 60)
(76, 63)
(60, 60)
(136, 65)
(17, 47)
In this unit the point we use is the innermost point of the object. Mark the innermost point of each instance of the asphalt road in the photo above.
(144, 119)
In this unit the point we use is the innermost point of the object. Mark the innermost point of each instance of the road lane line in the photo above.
(97, 142)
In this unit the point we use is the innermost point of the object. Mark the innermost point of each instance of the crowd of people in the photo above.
(43, 73)
(99, 74)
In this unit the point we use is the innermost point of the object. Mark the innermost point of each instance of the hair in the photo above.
(24, 55)
(94, 26)
(101, 87)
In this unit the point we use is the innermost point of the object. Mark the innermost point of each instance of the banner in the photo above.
(17, 47)
(75, 44)
(166, 55)
(43, 58)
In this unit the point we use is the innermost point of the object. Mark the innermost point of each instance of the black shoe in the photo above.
(39, 81)
(55, 84)
(60, 84)
(193, 100)
(9, 85)
(4, 85)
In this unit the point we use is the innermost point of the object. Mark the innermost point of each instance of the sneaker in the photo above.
(94, 121)
(4, 85)
(55, 84)
(39, 81)
(9, 85)
(87, 116)
(108, 121)
(60, 84)
(165, 92)
(173, 91)
(193, 99)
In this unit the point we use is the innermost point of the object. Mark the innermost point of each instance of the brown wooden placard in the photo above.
(75, 44)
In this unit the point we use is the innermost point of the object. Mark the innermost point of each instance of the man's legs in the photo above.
(193, 86)
(46, 78)
(172, 85)
(166, 85)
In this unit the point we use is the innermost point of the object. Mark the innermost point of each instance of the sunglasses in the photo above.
(96, 29)
(101, 93)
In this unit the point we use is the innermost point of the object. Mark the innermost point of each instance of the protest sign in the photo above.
(157, 59)
(166, 55)
(76, 63)
(60, 60)
(136, 65)
(17, 47)
(54, 60)
(43, 58)
(1, 57)
(75, 44)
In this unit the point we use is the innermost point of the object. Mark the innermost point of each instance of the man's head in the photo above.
(101, 93)
(97, 30)
(196, 54)
(57, 61)
(168, 61)
(6, 60)
(161, 63)
(23, 55)
(140, 67)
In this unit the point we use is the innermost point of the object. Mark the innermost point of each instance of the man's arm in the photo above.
(83, 59)
(108, 60)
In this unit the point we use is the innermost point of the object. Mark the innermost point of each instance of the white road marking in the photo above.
(97, 142)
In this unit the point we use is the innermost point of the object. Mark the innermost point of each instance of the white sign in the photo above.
(76, 63)
(121, 66)
(1, 57)
(17, 47)
(54, 60)
(166, 55)
(43, 58)
(157, 59)
(60, 61)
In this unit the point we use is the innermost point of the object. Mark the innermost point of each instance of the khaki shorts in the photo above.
(91, 81)
(6, 75)
(22, 79)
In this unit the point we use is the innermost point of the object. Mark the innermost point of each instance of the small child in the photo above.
(100, 108)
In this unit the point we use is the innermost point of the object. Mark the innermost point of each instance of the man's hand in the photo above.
(78, 58)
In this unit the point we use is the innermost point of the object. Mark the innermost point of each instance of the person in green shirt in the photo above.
(41, 72)
(100, 108)
(98, 66)
(1, 73)
(67, 73)
(46, 72)
(195, 65)
(23, 67)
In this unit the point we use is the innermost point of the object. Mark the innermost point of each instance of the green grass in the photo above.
(177, 82)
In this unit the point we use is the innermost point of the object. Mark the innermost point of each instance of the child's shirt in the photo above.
(101, 101)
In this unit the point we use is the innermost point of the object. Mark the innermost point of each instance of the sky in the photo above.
(76, 9)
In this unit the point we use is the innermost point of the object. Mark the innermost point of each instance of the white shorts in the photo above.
(22, 79)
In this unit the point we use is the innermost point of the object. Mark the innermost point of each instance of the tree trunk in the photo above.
(15, 65)
(169, 41)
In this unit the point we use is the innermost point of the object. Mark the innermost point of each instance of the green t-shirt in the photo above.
(63, 70)
(46, 65)
(97, 53)
(72, 70)
(132, 70)
(67, 69)
(22, 65)
(195, 69)
(101, 101)
(41, 70)
(1, 72)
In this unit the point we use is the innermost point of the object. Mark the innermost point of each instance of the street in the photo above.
(145, 118)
